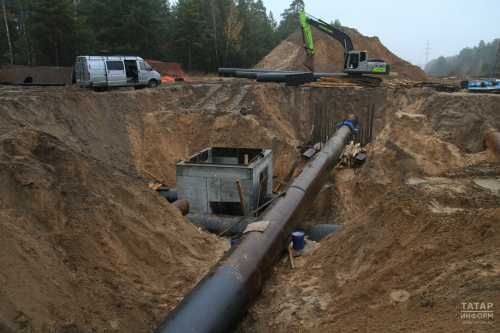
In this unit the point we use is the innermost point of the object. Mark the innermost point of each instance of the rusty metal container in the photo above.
(492, 141)
(182, 205)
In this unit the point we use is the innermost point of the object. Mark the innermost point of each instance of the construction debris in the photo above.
(396, 84)
(447, 88)
(351, 152)
(309, 153)
(346, 81)
(277, 187)
(290, 255)
(156, 183)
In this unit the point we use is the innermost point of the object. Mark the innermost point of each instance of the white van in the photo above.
(103, 71)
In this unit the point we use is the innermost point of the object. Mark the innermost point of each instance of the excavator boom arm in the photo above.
(306, 33)
(328, 29)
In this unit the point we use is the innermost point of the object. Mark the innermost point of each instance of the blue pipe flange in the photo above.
(348, 123)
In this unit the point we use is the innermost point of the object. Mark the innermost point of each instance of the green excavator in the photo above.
(355, 62)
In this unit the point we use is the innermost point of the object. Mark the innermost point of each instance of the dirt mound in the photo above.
(290, 54)
(86, 246)
(417, 243)
(409, 144)
(406, 263)
(81, 238)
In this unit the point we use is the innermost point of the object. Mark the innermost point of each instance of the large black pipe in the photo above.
(232, 71)
(232, 225)
(268, 75)
(254, 75)
(320, 230)
(218, 302)
(275, 77)
(170, 194)
(218, 223)
(281, 76)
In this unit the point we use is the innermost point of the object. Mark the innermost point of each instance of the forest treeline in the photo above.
(477, 60)
(201, 34)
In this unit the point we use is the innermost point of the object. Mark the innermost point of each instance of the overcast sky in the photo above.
(405, 27)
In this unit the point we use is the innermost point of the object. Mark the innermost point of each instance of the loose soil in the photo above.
(87, 246)
(329, 55)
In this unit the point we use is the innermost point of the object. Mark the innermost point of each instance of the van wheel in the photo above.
(152, 84)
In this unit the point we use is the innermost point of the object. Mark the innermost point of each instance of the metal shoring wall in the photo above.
(218, 302)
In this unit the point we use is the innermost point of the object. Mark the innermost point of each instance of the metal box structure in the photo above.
(208, 179)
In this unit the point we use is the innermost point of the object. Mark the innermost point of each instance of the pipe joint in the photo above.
(352, 125)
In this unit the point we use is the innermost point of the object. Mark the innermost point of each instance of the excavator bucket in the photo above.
(309, 61)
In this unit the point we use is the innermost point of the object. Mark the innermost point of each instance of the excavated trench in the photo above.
(99, 251)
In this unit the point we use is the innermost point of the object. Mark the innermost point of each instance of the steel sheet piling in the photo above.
(219, 300)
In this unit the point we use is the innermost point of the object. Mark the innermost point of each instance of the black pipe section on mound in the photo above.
(219, 301)
(232, 71)
(281, 77)
(275, 77)
(268, 75)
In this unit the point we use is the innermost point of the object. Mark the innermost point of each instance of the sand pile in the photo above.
(290, 54)
(87, 244)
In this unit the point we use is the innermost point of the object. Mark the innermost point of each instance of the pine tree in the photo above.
(232, 33)
(189, 33)
(129, 26)
(55, 34)
(7, 32)
(290, 19)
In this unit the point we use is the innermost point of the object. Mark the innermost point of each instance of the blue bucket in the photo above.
(298, 240)
(234, 239)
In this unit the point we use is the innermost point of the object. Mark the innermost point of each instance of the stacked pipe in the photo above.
(265, 75)
(218, 302)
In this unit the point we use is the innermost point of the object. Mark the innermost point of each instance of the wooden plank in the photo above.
(242, 198)
(291, 255)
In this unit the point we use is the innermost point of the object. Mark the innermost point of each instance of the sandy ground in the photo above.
(87, 246)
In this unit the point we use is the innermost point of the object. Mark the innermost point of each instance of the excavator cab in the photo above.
(356, 62)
